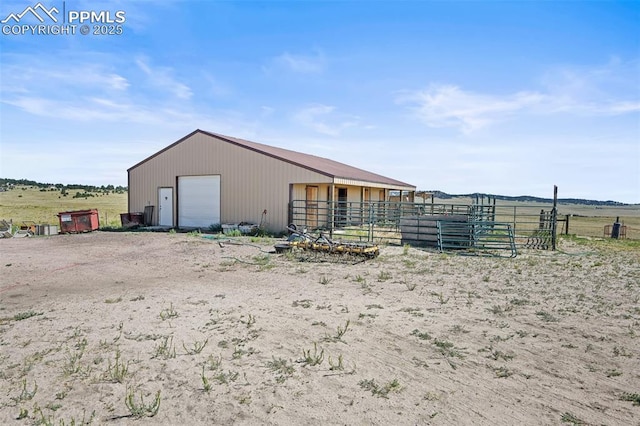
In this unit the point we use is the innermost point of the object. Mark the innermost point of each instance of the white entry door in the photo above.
(165, 206)
(198, 201)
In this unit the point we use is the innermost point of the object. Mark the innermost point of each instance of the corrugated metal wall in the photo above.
(251, 182)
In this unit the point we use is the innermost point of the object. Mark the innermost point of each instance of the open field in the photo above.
(585, 220)
(31, 204)
(212, 333)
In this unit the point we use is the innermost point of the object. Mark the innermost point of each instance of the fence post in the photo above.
(332, 213)
(370, 233)
(566, 221)
(554, 217)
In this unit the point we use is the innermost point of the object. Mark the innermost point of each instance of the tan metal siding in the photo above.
(250, 182)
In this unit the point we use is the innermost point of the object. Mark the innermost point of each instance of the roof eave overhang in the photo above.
(398, 187)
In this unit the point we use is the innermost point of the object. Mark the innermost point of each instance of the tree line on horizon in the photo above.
(6, 184)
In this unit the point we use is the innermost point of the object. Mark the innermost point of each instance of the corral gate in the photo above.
(518, 225)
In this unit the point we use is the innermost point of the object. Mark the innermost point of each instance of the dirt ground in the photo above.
(231, 334)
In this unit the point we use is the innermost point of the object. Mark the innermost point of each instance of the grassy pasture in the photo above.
(30, 204)
(585, 220)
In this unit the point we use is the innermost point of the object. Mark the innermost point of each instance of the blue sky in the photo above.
(500, 97)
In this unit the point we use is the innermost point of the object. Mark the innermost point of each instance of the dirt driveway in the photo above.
(211, 332)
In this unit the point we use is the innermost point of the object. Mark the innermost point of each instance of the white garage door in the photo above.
(198, 201)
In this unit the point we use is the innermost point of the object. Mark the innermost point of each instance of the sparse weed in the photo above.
(50, 420)
(224, 378)
(340, 332)
(570, 418)
(24, 413)
(496, 355)
(262, 260)
(140, 409)
(459, 329)
(384, 276)
(244, 399)
(238, 352)
(441, 298)
(500, 310)
(25, 315)
(502, 372)
(305, 303)
(546, 316)
(117, 371)
(376, 306)
(631, 397)
(196, 348)
(380, 391)
(25, 394)
(214, 363)
(339, 366)
(431, 396)
(448, 349)
(409, 263)
(282, 368)
(613, 373)
(165, 348)
(413, 311)
(251, 320)
(205, 382)
(324, 280)
(420, 335)
(168, 313)
(498, 338)
(312, 359)
(621, 351)
(410, 285)
(72, 363)
(116, 300)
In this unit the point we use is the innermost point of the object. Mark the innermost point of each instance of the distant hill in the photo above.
(8, 183)
(528, 198)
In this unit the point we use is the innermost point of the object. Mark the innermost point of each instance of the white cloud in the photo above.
(161, 77)
(29, 75)
(603, 91)
(322, 119)
(301, 64)
(450, 106)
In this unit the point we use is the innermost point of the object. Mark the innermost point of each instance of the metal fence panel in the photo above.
(383, 222)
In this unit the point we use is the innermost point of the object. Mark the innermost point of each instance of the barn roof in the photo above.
(324, 166)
